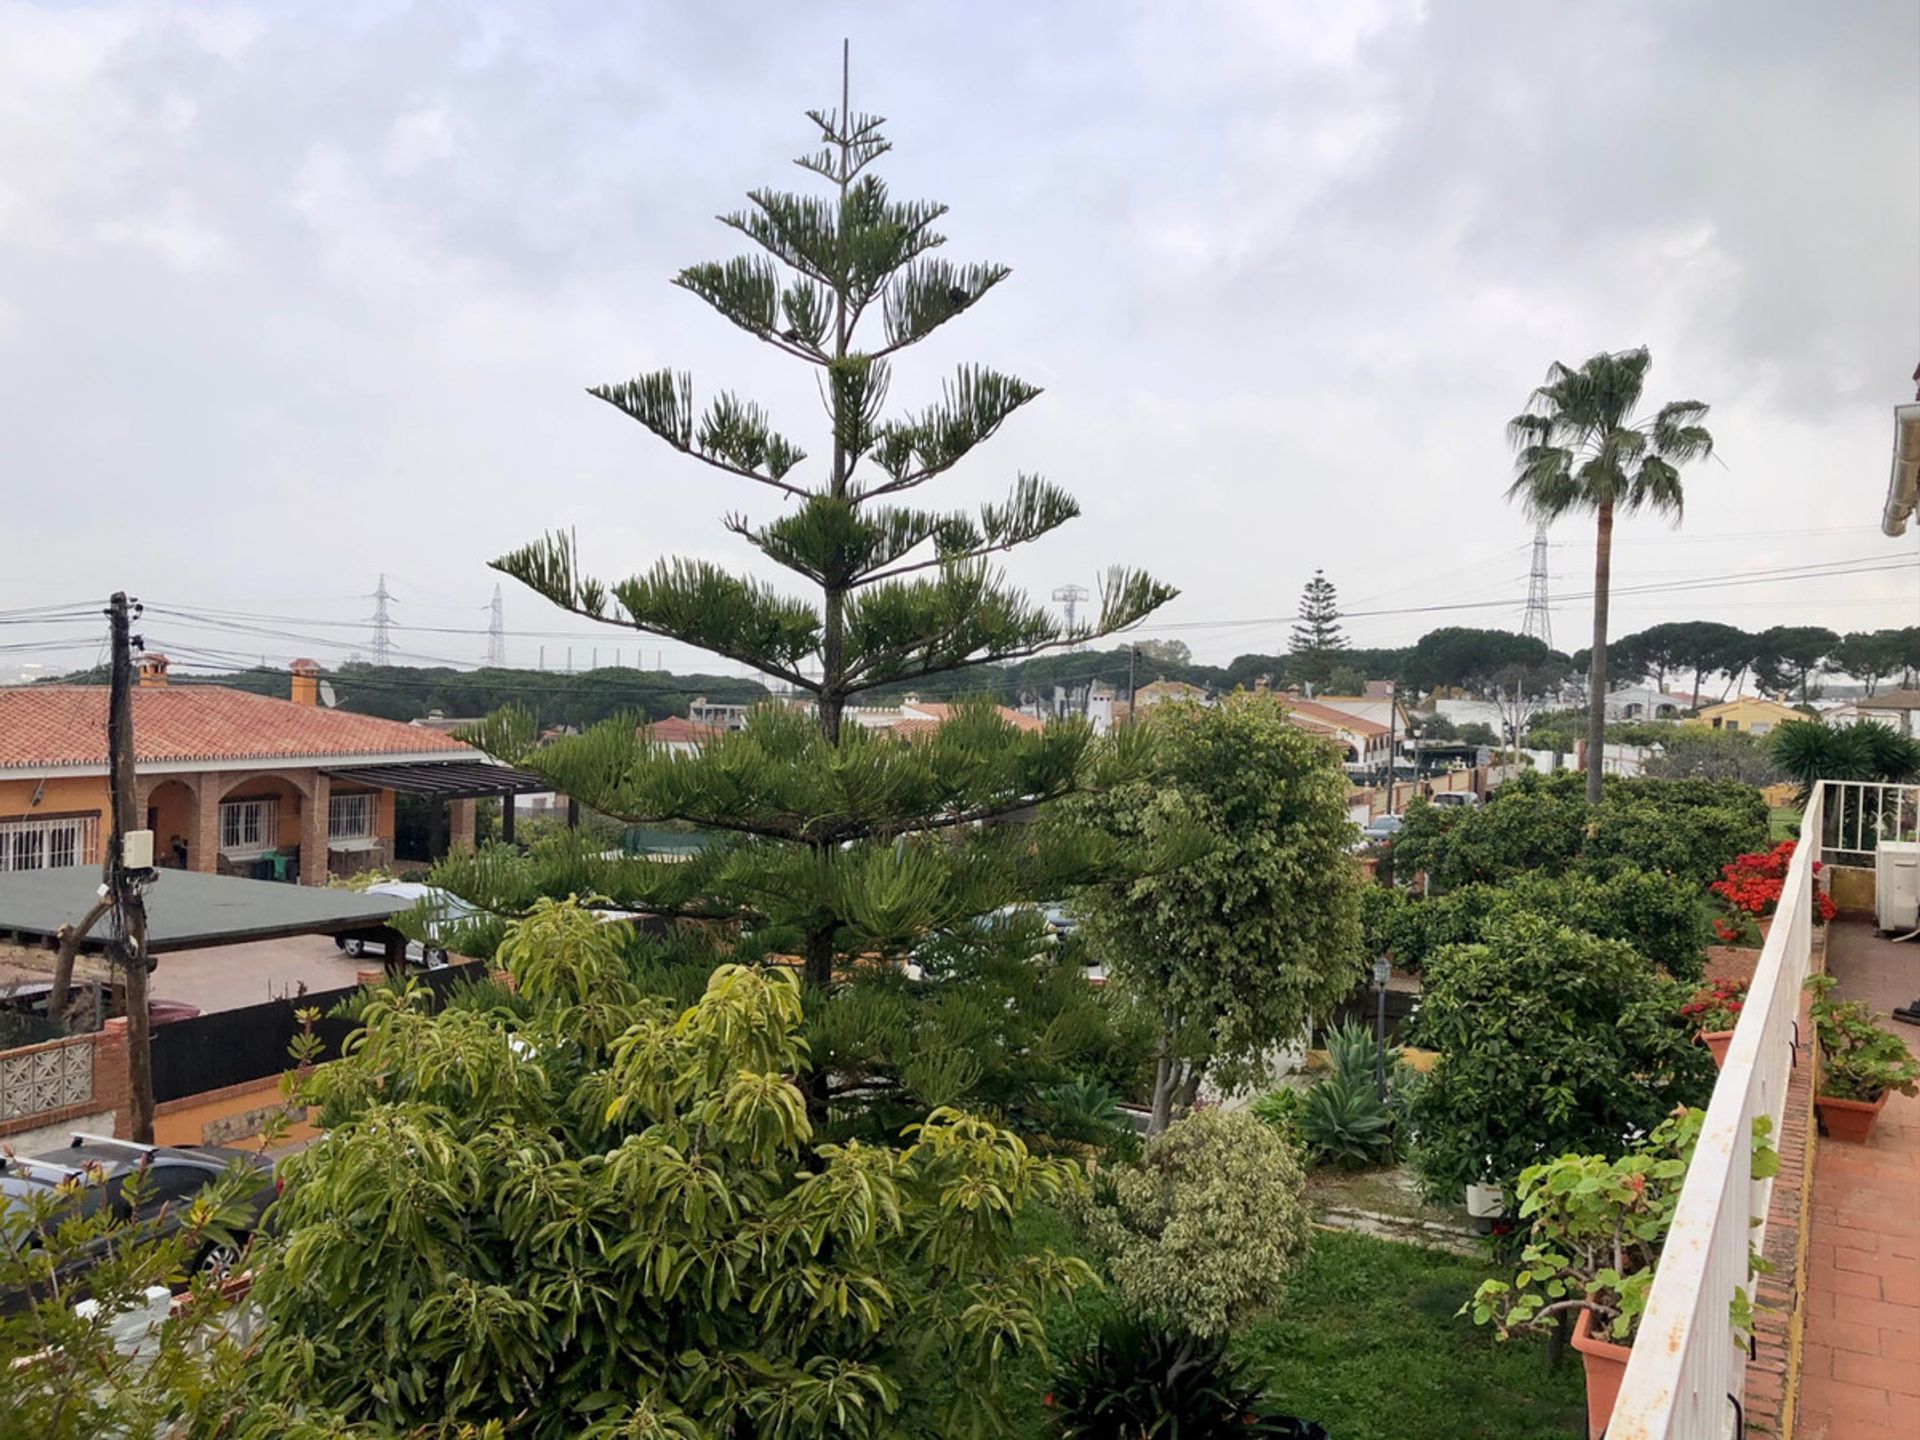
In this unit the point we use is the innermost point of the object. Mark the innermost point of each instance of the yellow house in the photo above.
(1752, 713)
(227, 781)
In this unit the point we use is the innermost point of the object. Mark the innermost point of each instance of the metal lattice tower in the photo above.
(496, 633)
(1539, 623)
(382, 625)
(1071, 596)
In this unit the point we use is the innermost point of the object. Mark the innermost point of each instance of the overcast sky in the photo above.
(295, 294)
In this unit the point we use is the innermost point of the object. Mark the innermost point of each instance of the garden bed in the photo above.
(1369, 1344)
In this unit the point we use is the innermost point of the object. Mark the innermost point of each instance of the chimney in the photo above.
(306, 682)
(152, 670)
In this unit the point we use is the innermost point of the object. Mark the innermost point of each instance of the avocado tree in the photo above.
(593, 1213)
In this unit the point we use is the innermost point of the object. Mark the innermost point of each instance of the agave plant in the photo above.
(1344, 1122)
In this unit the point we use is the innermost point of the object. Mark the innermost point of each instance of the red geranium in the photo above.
(1717, 1004)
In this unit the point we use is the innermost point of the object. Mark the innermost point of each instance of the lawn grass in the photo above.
(1368, 1344)
(1783, 823)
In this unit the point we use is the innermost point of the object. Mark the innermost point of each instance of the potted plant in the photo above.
(1860, 1064)
(1595, 1227)
(1715, 1010)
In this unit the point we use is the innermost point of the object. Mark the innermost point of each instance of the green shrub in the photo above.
(1202, 1232)
(1279, 1110)
(1139, 1378)
(1659, 915)
(1858, 1060)
(1551, 1041)
(1595, 1228)
(1686, 828)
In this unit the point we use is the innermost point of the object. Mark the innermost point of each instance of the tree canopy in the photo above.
(861, 852)
(1582, 444)
(1318, 637)
(1235, 952)
(584, 1211)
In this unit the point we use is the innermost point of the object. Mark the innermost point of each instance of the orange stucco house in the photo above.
(228, 781)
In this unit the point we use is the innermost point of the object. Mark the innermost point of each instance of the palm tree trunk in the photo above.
(1597, 676)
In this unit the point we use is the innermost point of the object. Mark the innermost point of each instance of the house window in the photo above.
(351, 817)
(249, 827)
(54, 843)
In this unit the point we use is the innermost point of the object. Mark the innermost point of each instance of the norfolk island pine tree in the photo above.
(845, 846)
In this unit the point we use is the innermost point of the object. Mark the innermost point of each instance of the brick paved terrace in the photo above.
(1860, 1359)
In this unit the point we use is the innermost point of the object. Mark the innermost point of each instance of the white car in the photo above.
(446, 912)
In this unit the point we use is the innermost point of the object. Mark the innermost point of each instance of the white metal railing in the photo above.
(1862, 813)
(1689, 1367)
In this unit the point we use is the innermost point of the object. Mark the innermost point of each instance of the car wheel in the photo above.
(354, 948)
(217, 1262)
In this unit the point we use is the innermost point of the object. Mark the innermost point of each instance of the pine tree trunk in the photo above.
(1597, 676)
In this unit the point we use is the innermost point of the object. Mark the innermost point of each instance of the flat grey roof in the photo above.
(187, 910)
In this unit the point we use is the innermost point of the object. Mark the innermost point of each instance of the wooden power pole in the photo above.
(126, 873)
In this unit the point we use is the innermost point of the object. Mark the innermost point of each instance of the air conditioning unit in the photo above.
(1896, 885)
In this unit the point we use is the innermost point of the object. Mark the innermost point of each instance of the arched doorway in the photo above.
(173, 811)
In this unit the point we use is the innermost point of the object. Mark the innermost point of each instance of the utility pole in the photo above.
(1539, 619)
(1393, 768)
(126, 871)
(496, 633)
(1070, 596)
(382, 625)
(1133, 660)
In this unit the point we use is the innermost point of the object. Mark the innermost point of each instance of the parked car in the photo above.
(1380, 830)
(1060, 921)
(32, 997)
(1453, 799)
(100, 1169)
(446, 913)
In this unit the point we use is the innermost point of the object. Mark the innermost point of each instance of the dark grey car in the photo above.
(102, 1169)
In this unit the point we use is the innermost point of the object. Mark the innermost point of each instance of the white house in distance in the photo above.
(1365, 741)
(1643, 702)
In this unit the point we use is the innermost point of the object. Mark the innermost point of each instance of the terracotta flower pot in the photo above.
(1606, 1365)
(1717, 1042)
(1849, 1120)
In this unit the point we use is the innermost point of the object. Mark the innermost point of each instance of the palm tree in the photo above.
(1581, 446)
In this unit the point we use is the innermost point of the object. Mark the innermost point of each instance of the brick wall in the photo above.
(1779, 1293)
(78, 1083)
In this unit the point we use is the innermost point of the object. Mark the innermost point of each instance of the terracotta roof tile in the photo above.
(1338, 719)
(941, 713)
(66, 725)
(678, 730)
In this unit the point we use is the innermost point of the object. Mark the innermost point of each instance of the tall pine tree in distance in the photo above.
(847, 845)
(1317, 636)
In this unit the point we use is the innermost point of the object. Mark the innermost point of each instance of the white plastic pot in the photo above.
(1486, 1202)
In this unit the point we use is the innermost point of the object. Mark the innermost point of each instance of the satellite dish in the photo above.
(327, 697)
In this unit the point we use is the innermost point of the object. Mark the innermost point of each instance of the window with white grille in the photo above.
(351, 817)
(54, 843)
(249, 827)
